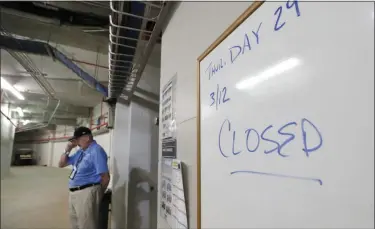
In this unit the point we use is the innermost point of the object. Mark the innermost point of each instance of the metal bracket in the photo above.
(111, 112)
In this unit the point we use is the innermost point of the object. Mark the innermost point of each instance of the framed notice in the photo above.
(172, 204)
(168, 119)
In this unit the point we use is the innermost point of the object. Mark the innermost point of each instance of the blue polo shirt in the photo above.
(90, 163)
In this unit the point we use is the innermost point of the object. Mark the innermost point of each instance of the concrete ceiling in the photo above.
(64, 35)
(66, 84)
(87, 50)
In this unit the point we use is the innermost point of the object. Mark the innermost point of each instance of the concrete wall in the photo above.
(120, 165)
(191, 29)
(150, 80)
(43, 153)
(134, 149)
(143, 168)
(7, 139)
(49, 153)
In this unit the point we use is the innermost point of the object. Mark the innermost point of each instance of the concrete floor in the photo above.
(35, 197)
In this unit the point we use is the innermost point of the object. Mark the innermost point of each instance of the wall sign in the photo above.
(168, 119)
(172, 201)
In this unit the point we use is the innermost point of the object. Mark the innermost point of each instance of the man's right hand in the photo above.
(64, 157)
(70, 145)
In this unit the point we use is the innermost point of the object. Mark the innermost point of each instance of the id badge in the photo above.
(73, 173)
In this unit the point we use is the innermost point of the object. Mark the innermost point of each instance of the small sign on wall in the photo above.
(168, 119)
(172, 201)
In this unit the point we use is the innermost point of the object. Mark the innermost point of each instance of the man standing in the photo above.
(88, 179)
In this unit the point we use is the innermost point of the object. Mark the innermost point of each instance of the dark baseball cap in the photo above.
(80, 131)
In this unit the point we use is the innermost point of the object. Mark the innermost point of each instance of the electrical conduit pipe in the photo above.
(6, 116)
(64, 137)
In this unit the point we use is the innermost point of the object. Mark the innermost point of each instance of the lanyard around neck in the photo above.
(81, 156)
(79, 159)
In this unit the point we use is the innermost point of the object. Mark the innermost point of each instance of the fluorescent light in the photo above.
(20, 111)
(268, 73)
(19, 88)
(7, 86)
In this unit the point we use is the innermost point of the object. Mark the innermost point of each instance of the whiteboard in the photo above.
(286, 119)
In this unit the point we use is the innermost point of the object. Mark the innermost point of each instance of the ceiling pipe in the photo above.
(87, 63)
(129, 14)
(37, 75)
(143, 58)
(31, 16)
(129, 33)
(91, 81)
(64, 137)
(117, 48)
(6, 116)
(152, 4)
(41, 125)
(22, 46)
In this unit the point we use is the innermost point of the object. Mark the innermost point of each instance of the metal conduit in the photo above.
(132, 15)
(126, 27)
(30, 67)
(143, 58)
(125, 46)
(119, 37)
(124, 57)
(124, 69)
(38, 76)
(26, 62)
(41, 125)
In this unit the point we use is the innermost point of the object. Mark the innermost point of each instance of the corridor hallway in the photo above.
(35, 197)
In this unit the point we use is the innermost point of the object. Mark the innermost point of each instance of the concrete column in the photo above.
(120, 165)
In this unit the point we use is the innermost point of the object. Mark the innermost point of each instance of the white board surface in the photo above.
(287, 128)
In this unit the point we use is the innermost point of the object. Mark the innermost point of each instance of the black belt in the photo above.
(82, 187)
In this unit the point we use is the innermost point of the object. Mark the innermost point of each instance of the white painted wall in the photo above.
(49, 153)
(7, 139)
(105, 141)
(134, 150)
(150, 80)
(57, 149)
(43, 153)
(120, 168)
(181, 47)
(142, 167)
(134, 158)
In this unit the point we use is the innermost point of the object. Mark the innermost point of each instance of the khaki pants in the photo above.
(84, 207)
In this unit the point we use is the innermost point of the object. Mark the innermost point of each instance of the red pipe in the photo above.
(6, 116)
(87, 63)
(51, 139)
(101, 110)
(65, 137)
(103, 124)
(91, 114)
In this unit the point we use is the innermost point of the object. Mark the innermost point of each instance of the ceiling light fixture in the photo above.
(7, 86)
(19, 88)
